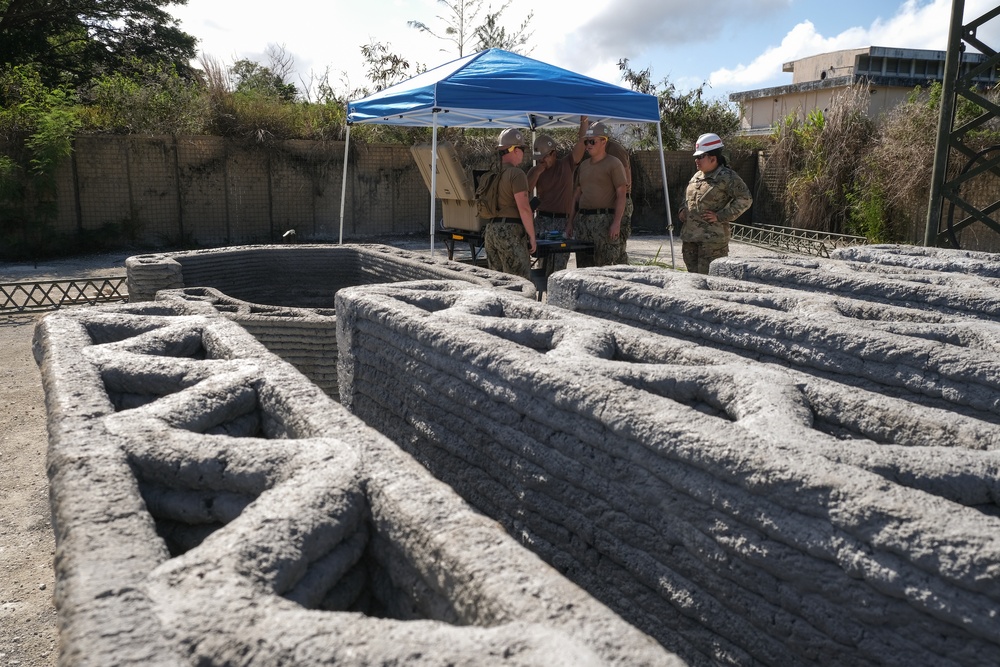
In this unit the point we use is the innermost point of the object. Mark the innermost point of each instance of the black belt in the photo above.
(514, 220)
(595, 211)
(550, 214)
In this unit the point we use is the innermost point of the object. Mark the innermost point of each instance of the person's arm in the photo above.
(533, 174)
(579, 149)
(524, 208)
(572, 212)
(616, 225)
(740, 200)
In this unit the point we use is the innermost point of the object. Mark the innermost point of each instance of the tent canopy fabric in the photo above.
(497, 88)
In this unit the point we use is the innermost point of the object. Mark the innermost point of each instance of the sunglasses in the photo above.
(511, 149)
(590, 142)
(700, 157)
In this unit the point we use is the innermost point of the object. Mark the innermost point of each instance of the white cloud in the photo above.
(917, 25)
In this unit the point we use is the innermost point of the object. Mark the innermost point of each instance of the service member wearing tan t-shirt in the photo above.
(601, 188)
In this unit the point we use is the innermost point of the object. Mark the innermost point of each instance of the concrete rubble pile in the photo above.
(213, 507)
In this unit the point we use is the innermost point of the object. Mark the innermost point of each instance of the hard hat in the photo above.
(598, 130)
(511, 137)
(543, 146)
(707, 143)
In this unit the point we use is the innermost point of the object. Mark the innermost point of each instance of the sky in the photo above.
(728, 46)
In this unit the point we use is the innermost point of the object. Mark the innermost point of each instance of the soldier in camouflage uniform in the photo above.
(600, 201)
(509, 238)
(715, 197)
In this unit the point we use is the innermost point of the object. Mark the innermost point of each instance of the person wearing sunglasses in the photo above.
(715, 197)
(615, 149)
(600, 197)
(552, 180)
(509, 237)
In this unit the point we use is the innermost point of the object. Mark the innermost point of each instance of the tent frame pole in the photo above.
(434, 158)
(666, 195)
(343, 184)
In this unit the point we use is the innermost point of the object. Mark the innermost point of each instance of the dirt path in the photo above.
(28, 632)
(27, 614)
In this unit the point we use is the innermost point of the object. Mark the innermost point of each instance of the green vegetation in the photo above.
(683, 116)
(73, 43)
(849, 174)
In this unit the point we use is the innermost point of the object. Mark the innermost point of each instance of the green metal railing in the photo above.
(790, 239)
(52, 294)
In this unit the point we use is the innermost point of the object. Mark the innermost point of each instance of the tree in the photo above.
(74, 41)
(252, 77)
(492, 35)
(460, 27)
(683, 116)
(383, 67)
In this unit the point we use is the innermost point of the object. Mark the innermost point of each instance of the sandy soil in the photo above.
(27, 614)
(28, 634)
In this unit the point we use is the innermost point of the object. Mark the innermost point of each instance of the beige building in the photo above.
(891, 73)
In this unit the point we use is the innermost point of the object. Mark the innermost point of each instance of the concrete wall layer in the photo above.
(786, 462)
(213, 507)
(752, 475)
(284, 295)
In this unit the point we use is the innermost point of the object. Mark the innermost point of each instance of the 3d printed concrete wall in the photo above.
(284, 294)
(741, 512)
(798, 467)
(213, 507)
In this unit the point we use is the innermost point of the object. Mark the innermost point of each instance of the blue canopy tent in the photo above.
(497, 88)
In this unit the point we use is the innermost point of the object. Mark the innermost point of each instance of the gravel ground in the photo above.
(28, 634)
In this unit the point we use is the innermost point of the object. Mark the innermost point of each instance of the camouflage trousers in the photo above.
(507, 247)
(596, 229)
(699, 254)
(624, 233)
(543, 225)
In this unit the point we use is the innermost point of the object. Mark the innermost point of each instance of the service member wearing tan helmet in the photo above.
(509, 237)
(552, 180)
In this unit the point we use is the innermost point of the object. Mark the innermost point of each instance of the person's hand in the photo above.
(616, 228)
(532, 245)
(682, 215)
(710, 216)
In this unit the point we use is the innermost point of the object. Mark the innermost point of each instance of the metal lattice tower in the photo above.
(946, 194)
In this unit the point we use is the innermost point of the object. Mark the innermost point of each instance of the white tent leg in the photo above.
(343, 184)
(434, 159)
(666, 196)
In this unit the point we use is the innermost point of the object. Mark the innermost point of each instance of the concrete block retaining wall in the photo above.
(740, 512)
(284, 294)
(213, 507)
